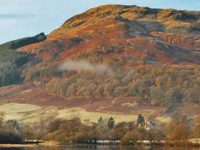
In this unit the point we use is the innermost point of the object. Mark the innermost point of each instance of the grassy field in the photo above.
(94, 116)
(28, 113)
(31, 113)
(21, 112)
(18, 108)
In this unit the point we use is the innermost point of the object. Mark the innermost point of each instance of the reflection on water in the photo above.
(101, 147)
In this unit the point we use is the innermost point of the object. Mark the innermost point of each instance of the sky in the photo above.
(22, 18)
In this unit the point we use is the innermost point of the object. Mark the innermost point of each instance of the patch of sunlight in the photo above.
(93, 116)
(133, 104)
(17, 107)
(164, 119)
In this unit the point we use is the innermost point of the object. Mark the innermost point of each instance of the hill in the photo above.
(125, 32)
(112, 59)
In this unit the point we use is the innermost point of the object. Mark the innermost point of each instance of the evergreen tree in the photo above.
(111, 123)
(140, 121)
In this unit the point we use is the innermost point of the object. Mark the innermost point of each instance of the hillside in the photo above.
(12, 62)
(112, 59)
(125, 32)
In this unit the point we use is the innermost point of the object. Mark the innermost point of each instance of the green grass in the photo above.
(18, 108)
(28, 113)
(133, 104)
(93, 116)
(164, 119)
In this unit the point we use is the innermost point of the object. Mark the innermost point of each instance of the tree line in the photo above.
(179, 130)
(158, 86)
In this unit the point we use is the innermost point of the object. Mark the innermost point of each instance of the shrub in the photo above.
(10, 138)
(133, 136)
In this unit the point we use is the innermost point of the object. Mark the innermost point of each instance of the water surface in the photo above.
(101, 147)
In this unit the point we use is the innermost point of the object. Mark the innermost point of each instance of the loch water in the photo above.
(100, 147)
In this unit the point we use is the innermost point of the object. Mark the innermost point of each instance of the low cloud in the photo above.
(83, 65)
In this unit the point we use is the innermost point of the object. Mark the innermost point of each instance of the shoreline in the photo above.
(17, 145)
(161, 143)
(46, 145)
